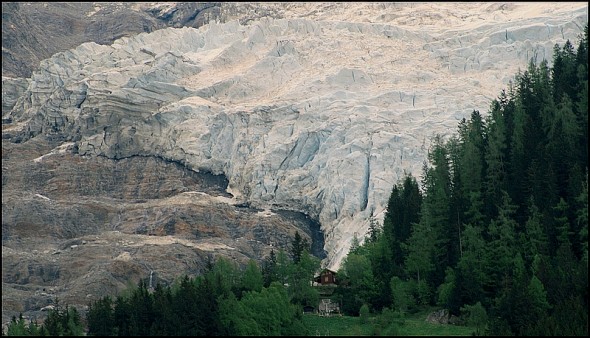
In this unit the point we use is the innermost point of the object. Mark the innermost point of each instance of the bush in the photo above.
(364, 314)
(476, 317)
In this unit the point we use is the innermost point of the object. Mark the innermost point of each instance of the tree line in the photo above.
(497, 229)
(224, 300)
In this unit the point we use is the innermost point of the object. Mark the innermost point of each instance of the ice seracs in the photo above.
(321, 116)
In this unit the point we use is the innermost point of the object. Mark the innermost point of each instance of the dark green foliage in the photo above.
(501, 248)
(449, 292)
(267, 312)
(495, 159)
(402, 211)
(299, 279)
(60, 321)
(384, 245)
(298, 246)
(18, 327)
(402, 298)
(503, 219)
(582, 219)
(477, 317)
(163, 314)
(420, 250)
(357, 272)
(222, 301)
(100, 317)
(269, 269)
(364, 313)
(251, 278)
(141, 309)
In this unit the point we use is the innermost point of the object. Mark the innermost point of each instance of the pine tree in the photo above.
(538, 297)
(537, 242)
(186, 307)
(142, 310)
(54, 322)
(520, 156)
(562, 224)
(420, 249)
(402, 298)
(300, 289)
(564, 71)
(471, 274)
(269, 269)
(494, 157)
(561, 146)
(163, 311)
(582, 97)
(403, 210)
(297, 247)
(449, 292)
(17, 327)
(73, 322)
(472, 161)
(100, 317)
(582, 219)
(436, 211)
(501, 247)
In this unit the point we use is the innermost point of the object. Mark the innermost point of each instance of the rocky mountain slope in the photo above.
(33, 31)
(315, 108)
(81, 227)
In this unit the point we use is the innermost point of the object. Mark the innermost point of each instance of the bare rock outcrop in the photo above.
(443, 316)
(78, 228)
(12, 89)
(33, 31)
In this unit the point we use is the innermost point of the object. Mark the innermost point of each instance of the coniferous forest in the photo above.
(495, 231)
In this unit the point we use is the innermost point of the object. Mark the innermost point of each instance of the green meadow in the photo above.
(411, 325)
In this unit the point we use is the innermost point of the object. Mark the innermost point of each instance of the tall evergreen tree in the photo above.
(561, 144)
(501, 247)
(437, 211)
(420, 250)
(582, 219)
(537, 241)
(252, 277)
(269, 269)
(297, 247)
(471, 273)
(163, 311)
(403, 210)
(494, 156)
(100, 317)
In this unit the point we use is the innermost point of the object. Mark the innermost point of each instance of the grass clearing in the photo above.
(336, 326)
(413, 325)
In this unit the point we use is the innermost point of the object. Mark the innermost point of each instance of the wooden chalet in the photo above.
(325, 282)
(326, 277)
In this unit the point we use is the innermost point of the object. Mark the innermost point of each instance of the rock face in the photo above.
(12, 89)
(443, 316)
(319, 109)
(33, 31)
(81, 227)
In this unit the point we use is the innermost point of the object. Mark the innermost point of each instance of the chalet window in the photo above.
(326, 279)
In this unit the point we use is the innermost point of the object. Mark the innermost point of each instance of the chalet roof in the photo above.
(323, 270)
